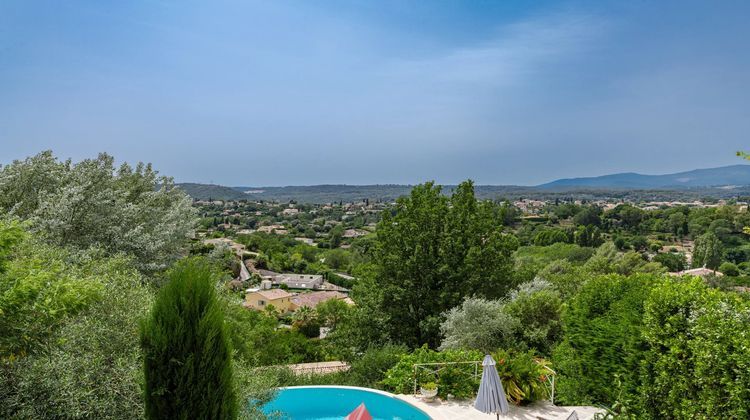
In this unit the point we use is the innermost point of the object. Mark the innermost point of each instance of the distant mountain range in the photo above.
(726, 176)
(724, 182)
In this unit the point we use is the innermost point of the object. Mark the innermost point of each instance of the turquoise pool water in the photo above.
(334, 403)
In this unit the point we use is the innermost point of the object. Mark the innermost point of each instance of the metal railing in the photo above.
(436, 367)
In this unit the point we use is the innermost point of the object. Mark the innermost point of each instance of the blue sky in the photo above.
(361, 92)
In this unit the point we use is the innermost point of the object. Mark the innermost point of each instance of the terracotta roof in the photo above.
(313, 299)
(273, 294)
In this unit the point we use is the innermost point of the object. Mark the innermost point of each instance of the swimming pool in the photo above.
(335, 402)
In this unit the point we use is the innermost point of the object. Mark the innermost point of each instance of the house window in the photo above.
(261, 302)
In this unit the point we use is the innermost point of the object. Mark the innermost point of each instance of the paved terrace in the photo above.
(463, 410)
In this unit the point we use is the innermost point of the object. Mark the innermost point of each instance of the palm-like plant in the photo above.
(306, 321)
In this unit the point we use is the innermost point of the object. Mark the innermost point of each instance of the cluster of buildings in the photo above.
(276, 289)
(284, 301)
(271, 279)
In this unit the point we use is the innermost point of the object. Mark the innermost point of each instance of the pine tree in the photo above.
(186, 349)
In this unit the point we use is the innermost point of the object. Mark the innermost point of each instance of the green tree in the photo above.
(550, 236)
(536, 308)
(94, 203)
(708, 251)
(187, 352)
(673, 261)
(432, 253)
(590, 215)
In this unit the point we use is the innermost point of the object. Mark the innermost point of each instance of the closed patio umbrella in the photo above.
(491, 396)
(359, 413)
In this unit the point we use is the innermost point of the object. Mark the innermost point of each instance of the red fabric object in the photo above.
(359, 413)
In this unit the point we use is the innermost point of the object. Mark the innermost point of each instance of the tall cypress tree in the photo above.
(186, 349)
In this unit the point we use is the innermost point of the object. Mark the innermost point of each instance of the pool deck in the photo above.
(463, 410)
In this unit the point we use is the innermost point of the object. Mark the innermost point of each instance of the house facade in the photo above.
(261, 299)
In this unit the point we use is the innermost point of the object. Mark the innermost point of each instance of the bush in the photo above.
(536, 315)
(523, 376)
(187, 351)
(370, 368)
(729, 269)
(673, 262)
(698, 363)
(657, 348)
(460, 326)
(91, 366)
(457, 380)
(602, 328)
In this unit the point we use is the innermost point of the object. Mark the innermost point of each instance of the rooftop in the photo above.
(273, 294)
(313, 299)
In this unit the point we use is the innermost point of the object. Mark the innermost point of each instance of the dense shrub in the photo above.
(656, 348)
(603, 340)
(370, 368)
(672, 261)
(550, 236)
(698, 363)
(460, 328)
(524, 376)
(257, 341)
(90, 366)
(535, 309)
(729, 269)
(187, 351)
(457, 379)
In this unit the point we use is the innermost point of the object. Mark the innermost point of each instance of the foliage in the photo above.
(332, 312)
(39, 289)
(478, 324)
(602, 328)
(187, 351)
(434, 251)
(369, 369)
(656, 348)
(672, 261)
(708, 250)
(535, 310)
(257, 341)
(524, 376)
(454, 379)
(429, 386)
(699, 352)
(305, 320)
(89, 367)
(729, 269)
(364, 326)
(529, 319)
(550, 236)
(608, 260)
(93, 203)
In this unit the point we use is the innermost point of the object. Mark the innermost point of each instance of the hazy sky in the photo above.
(359, 92)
